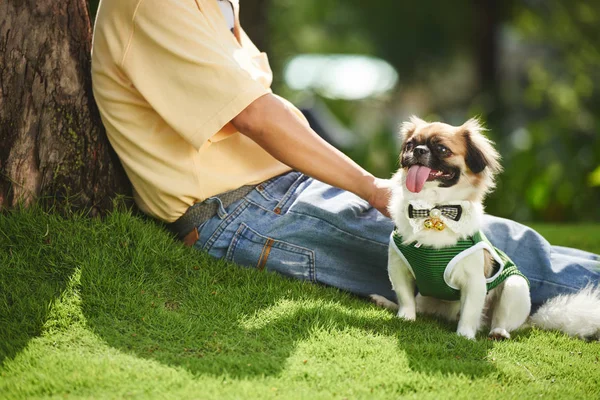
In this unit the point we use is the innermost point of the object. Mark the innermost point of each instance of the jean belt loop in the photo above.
(220, 209)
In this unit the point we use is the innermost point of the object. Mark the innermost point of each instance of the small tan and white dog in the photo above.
(438, 247)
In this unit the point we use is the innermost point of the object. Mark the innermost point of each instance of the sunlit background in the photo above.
(530, 69)
(346, 77)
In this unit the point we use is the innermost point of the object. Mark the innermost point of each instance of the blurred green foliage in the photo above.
(540, 100)
(554, 152)
(528, 68)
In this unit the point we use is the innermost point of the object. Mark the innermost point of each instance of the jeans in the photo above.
(305, 229)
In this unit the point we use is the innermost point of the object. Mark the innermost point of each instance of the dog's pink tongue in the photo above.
(416, 178)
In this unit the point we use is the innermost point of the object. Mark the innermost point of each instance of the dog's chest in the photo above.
(429, 265)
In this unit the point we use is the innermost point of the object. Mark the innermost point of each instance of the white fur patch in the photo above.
(574, 314)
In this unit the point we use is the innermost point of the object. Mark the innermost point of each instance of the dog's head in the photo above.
(445, 162)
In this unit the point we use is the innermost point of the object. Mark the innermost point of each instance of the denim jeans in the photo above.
(309, 230)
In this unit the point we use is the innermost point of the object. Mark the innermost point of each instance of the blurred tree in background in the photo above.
(528, 68)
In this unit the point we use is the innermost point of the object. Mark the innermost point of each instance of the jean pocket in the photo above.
(280, 191)
(250, 248)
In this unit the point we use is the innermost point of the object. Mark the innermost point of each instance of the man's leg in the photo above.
(551, 270)
(309, 230)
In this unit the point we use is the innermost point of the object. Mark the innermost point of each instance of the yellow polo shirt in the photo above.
(168, 77)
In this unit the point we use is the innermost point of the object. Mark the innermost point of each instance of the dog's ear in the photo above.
(409, 127)
(480, 151)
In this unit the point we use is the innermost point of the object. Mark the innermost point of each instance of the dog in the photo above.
(438, 247)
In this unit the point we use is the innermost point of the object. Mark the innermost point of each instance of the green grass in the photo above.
(114, 308)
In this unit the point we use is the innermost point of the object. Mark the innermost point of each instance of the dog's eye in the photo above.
(444, 150)
(408, 146)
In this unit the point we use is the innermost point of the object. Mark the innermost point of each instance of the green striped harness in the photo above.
(431, 267)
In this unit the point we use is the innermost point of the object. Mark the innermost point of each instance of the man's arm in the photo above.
(274, 126)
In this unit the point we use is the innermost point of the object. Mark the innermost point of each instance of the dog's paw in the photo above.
(467, 333)
(409, 315)
(383, 302)
(499, 334)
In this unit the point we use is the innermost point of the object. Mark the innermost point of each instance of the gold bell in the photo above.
(439, 226)
(428, 224)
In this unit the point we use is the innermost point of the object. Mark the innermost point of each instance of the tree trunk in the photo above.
(53, 148)
(487, 31)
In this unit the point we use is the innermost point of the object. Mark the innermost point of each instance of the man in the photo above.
(211, 151)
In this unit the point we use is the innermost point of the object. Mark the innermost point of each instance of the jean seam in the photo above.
(267, 196)
(291, 190)
(277, 243)
(234, 242)
(269, 210)
(385, 245)
(547, 282)
(224, 224)
(312, 272)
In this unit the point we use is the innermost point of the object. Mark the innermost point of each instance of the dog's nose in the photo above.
(421, 150)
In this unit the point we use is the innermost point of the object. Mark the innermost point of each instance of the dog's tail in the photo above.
(576, 314)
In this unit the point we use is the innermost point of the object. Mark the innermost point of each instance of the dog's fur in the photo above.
(468, 163)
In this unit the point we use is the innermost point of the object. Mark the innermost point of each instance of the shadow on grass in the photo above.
(33, 273)
(430, 346)
(146, 296)
(184, 309)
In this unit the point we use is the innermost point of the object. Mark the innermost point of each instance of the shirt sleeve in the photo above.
(183, 65)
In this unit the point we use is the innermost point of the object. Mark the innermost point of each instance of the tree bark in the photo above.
(487, 29)
(53, 148)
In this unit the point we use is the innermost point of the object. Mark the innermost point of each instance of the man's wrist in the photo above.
(379, 193)
(366, 187)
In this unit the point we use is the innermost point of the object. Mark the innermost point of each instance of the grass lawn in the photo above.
(116, 309)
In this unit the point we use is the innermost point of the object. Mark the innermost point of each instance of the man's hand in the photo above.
(380, 195)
